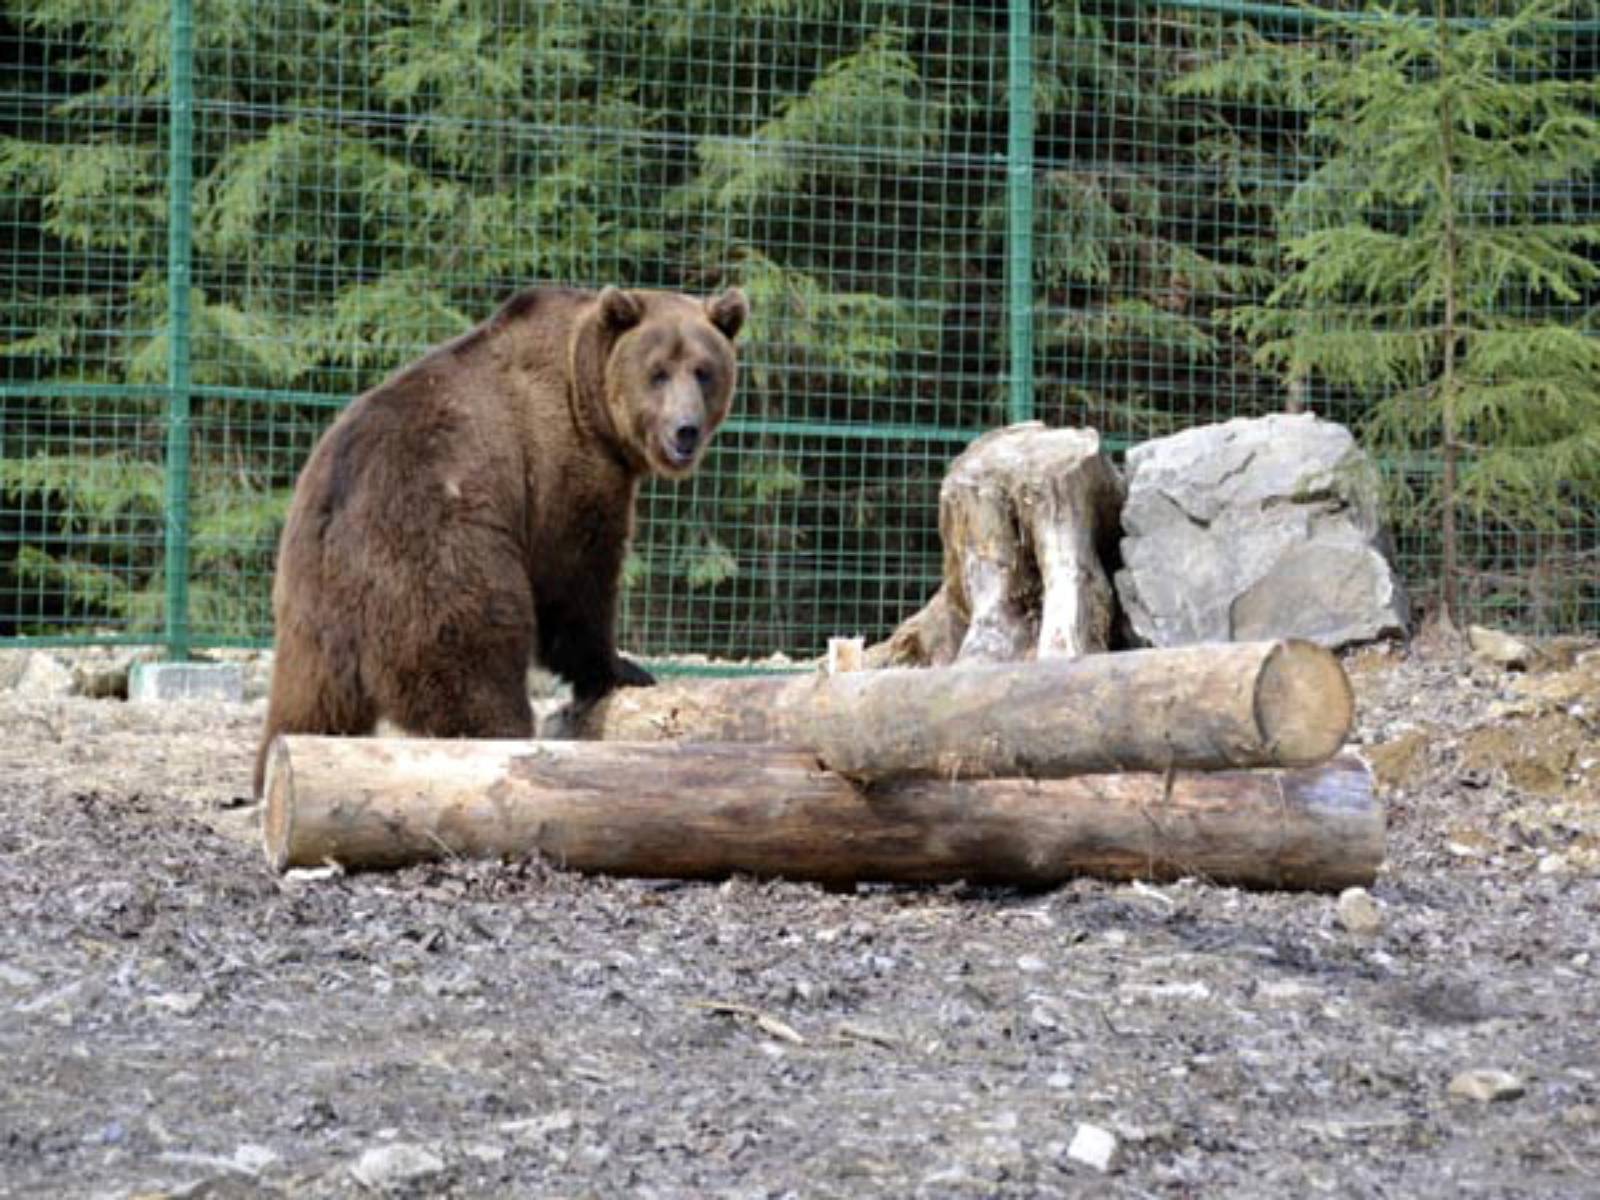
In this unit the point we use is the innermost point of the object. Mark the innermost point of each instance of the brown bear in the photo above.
(470, 514)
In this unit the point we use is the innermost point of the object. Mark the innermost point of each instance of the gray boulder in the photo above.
(1257, 528)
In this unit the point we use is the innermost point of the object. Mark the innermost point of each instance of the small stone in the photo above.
(183, 1004)
(1045, 1016)
(1094, 1147)
(252, 1159)
(386, 1166)
(1358, 912)
(313, 874)
(1466, 841)
(1554, 864)
(1501, 649)
(1030, 964)
(1486, 1085)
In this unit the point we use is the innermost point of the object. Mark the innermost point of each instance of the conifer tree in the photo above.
(1438, 219)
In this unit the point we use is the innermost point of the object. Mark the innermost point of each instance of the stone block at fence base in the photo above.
(186, 681)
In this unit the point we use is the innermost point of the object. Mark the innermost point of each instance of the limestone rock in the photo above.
(43, 674)
(1499, 648)
(1255, 529)
(1094, 1147)
(1028, 516)
(383, 1167)
(1486, 1085)
(1358, 912)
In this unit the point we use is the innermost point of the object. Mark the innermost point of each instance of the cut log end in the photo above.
(1304, 704)
(277, 819)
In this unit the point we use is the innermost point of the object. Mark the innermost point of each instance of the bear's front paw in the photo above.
(631, 674)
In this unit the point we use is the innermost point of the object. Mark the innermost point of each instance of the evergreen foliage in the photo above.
(1424, 255)
(371, 179)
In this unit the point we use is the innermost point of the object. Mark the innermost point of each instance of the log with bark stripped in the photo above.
(1229, 705)
(707, 811)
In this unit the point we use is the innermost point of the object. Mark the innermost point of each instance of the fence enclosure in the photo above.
(220, 222)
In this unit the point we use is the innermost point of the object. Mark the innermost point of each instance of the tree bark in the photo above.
(708, 811)
(1240, 704)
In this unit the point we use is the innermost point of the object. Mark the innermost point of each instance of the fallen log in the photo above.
(1237, 704)
(708, 811)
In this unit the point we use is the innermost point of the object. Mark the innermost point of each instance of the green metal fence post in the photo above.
(180, 239)
(1019, 211)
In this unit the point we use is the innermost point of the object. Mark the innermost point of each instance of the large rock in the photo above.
(36, 673)
(1028, 516)
(1256, 529)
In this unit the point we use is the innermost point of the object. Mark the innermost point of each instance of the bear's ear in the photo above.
(620, 310)
(727, 312)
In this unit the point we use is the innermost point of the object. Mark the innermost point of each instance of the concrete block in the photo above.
(186, 681)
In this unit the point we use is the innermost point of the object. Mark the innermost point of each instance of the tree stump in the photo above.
(1028, 516)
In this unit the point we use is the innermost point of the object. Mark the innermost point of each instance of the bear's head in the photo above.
(667, 371)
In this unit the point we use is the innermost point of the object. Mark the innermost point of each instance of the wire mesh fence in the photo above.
(220, 222)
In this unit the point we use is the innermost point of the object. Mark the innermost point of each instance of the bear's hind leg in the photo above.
(472, 693)
(464, 672)
(452, 660)
(312, 692)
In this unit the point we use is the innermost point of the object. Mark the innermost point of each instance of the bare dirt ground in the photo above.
(175, 1020)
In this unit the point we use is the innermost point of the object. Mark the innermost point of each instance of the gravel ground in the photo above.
(175, 1020)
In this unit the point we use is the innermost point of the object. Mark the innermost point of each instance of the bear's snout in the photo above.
(680, 444)
(686, 439)
(683, 426)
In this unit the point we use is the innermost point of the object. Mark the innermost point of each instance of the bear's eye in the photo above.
(702, 376)
(658, 378)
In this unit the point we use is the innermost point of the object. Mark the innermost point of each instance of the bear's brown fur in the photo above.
(471, 513)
